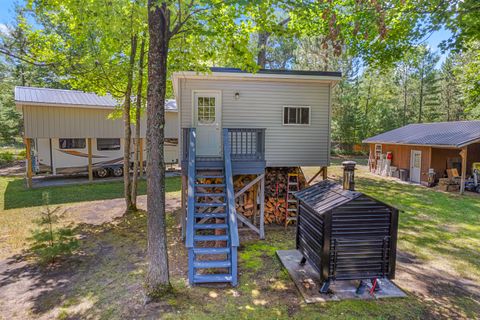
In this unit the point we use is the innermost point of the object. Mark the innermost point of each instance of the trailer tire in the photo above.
(102, 172)
(117, 172)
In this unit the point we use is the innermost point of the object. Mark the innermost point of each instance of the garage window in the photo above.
(108, 144)
(72, 143)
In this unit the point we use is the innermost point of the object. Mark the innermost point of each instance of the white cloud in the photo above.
(3, 28)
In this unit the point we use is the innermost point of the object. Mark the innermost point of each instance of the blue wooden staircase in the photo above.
(212, 232)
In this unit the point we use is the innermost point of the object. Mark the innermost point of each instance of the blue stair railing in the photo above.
(207, 186)
(231, 211)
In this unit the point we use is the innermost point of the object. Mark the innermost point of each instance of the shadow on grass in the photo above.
(104, 279)
(447, 224)
(17, 196)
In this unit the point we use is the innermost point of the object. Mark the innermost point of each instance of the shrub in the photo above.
(21, 155)
(49, 241)
(6, 157)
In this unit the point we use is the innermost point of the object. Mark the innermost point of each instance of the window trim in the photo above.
(60, 145)
(119, 145)
(297, 124)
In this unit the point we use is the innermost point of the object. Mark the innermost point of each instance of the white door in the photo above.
(415, 166)
(207, 121)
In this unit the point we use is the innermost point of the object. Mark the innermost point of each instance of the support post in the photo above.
(464, 155)
(183, 213)
(28, 151)
(262, 207)
(90, 169)
(140, 148)
(324, 173)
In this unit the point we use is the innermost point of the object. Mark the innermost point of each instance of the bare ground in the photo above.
(105, 279)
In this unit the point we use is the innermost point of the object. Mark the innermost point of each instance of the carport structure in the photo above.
(424, 146)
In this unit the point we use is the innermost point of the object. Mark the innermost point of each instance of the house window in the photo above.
(206, 110)
(72, 143)
(108, 144)
(296, 115)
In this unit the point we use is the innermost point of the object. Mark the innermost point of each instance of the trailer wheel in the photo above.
(102, 172)
(118, 172)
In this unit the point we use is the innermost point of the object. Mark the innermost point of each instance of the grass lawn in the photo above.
(439, 241)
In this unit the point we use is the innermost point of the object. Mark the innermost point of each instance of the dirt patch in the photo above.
(16, 168)
(105, 279)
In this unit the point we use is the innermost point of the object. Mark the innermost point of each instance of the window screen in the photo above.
(296, 115)
(72, 143)
(206, 110)
(108, 144)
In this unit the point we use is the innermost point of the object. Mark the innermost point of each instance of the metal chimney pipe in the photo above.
(349, 175)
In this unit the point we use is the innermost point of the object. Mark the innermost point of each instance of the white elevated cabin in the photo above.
(272, 118)
(64, 130)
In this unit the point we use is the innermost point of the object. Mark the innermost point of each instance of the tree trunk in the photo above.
(420, 107)
(405, 88)
(262, 47)
(158, 26)
(128, 130)
(138, 109)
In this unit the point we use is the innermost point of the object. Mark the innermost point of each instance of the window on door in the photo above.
(296, 115)
(206, 110)
(72, 143)
(108, 144)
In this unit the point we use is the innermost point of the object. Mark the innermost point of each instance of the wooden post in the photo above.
(28, 151)
(140, 148)
(324, 173)
(90, 169)
(464, 155)
(262, 207)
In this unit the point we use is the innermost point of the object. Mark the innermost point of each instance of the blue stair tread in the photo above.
(207, 176)
(222, 237)
(220, 194)
(211, 226)
(212, 264)
(211, 250)
(212, 278)
(199, 204)
(209, 185)
(209, 168)
(210, 215)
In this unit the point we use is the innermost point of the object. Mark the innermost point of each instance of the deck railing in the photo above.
(247, 144)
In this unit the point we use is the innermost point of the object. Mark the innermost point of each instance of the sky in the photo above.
(7, 15)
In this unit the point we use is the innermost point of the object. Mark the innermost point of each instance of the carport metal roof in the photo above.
(456, 134)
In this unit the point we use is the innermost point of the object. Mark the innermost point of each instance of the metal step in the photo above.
(210, 226)
(202, 278)
(216, 185)
(292, 210)
(222, 237)
(209, 205)
(292, 201)
(212, 264)
(211, 250)
(209, 177)
(210, 215)
(220, 194)
(208, 168)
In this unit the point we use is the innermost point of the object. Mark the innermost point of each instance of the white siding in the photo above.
(260, 106)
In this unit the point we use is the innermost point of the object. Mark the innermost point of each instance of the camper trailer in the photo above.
(67, 129)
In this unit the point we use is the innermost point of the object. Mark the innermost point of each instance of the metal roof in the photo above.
(280, 71)
(326, 195)
(47, 96)
(62, 97)
(448, 134)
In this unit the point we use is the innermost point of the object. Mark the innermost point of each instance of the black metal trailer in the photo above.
(344, 234)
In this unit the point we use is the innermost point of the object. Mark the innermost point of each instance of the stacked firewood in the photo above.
(276, 191)
(449, 184)
(246, 203)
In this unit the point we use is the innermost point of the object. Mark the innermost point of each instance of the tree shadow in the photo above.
(17, 196)
(102, 278)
